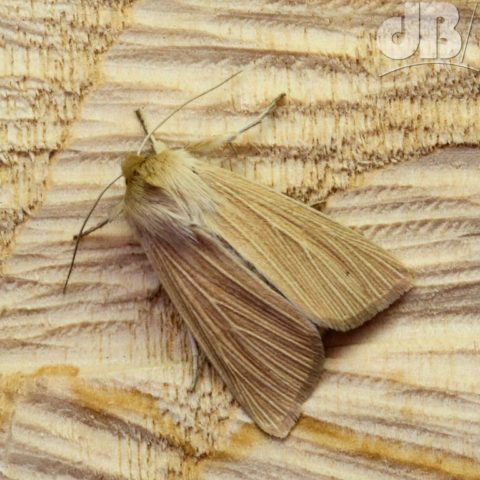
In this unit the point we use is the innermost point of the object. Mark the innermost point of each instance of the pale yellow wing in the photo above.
(335, 275)
(267, 352)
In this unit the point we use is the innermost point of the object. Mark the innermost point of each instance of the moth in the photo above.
(255, 275)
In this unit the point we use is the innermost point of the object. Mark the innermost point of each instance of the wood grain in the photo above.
(94, 384)
(48, 62)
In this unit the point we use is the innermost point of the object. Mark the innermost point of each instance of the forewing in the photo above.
(335, 275)
(267, 352)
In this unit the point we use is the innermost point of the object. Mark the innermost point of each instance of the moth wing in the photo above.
(267, 352)
(335, 275)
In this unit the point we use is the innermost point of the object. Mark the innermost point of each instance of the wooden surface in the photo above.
(94, 384)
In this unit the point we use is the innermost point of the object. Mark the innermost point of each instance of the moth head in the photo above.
(130, 164)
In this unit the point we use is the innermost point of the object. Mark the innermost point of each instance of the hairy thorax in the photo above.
(165, 192)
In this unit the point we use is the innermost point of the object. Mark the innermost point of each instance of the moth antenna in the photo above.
(79, 236)
(170, 115)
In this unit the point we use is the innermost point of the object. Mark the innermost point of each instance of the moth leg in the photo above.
(317, 204)
(235, 153)
(113, 215)
(209, 144)
(198, 361)
(232, 148)
(272, 106)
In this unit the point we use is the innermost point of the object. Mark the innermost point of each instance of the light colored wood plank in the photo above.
(48, 63)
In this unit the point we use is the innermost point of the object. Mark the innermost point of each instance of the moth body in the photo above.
(251, 272)
(255, 275)
(165, 194)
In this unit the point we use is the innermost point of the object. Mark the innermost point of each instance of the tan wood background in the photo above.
(94, 384)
